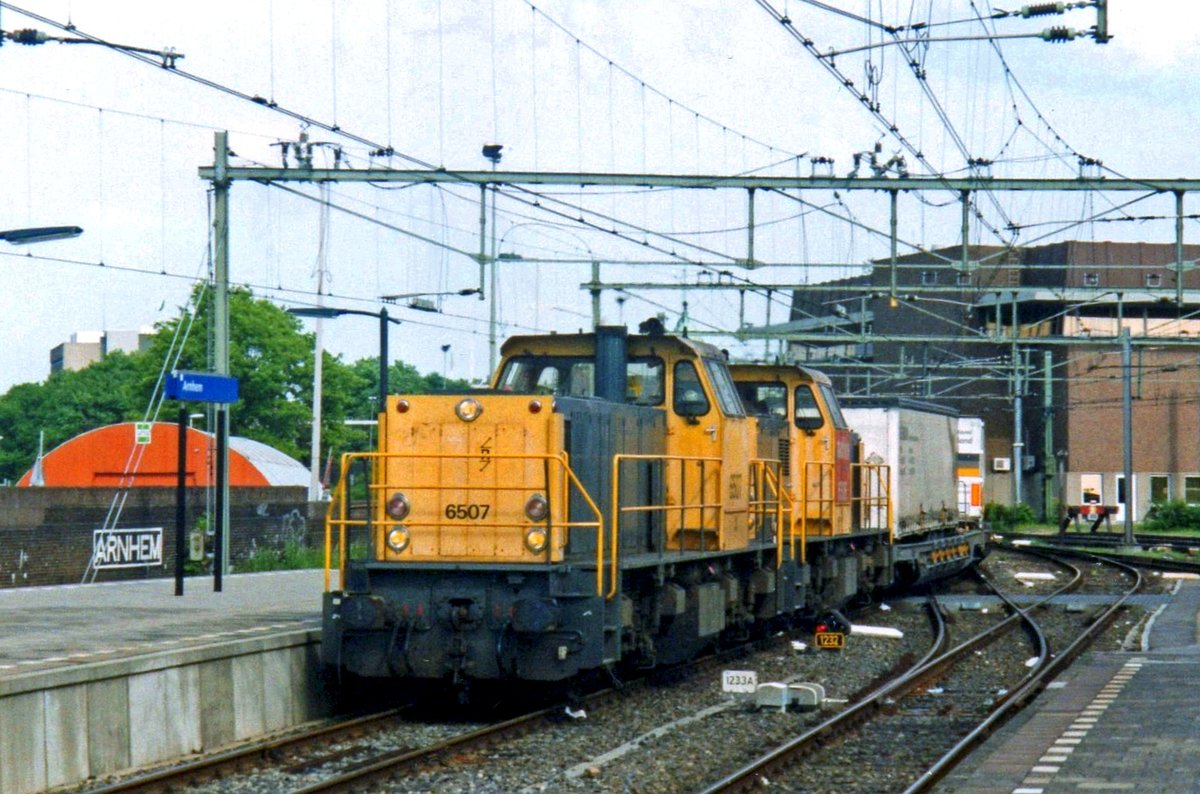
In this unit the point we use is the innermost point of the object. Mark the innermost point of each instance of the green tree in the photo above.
(67, 404)
(271, 357)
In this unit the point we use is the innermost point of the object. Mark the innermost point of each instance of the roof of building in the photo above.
(111, 457)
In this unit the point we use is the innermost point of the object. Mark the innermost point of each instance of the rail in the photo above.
(558, 481)
(708, 470)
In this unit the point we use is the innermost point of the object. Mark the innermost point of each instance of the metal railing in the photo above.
(558, 481)
(771, 499)
(708, 471)
(872, 503)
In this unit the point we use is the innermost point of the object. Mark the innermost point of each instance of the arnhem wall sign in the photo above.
(127, 548)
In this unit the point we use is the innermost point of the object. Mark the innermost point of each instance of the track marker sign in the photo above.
(744, 681)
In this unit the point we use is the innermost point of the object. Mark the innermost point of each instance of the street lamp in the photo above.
(40, 234)
(328, 313)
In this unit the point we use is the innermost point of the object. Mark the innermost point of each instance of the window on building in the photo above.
(1154, 279)
(1160, 488)
(1091, 279)
(963, 279)
(1014, 277)
(929, 277)
(1191, 490)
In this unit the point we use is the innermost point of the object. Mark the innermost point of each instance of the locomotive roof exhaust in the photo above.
(612, 360)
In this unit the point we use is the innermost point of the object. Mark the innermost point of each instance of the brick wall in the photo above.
(46, 533)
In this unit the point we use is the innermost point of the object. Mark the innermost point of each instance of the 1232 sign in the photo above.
(831, 640)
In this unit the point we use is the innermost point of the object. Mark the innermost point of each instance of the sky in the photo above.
(95, 138)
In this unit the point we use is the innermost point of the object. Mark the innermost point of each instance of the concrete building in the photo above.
(1028, 338)
(88, 347)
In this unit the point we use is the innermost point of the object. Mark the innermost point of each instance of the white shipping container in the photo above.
(919, 443)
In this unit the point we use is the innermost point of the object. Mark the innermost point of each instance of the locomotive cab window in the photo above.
(727, 396)
(808, 411)
(764, 399)
(575, 376)
(835, 410)
(687, 395)
(644, 381)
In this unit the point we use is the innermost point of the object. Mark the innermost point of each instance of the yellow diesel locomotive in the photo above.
(610, 501)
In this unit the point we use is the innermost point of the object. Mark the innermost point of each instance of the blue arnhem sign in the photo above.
(204, 387)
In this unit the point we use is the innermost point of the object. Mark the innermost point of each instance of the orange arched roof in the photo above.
(101, 457)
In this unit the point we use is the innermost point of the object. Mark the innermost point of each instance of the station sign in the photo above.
(204, 387)
(127, 548)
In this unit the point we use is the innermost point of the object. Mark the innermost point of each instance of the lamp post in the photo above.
(328, 313)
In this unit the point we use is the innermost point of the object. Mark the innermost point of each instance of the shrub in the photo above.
(1003, 517)
(1172, 515)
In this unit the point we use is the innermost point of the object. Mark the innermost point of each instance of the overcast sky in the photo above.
(95, 138)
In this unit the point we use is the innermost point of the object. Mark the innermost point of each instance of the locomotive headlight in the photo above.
(397, 539)
(537, 507)
(469, 409)
(535, 540)
(398, 506)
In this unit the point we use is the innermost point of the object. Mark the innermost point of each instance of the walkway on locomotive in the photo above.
(484, 477)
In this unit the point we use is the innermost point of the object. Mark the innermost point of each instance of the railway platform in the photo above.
(1112, 722)
(44, 628)
(104, 678)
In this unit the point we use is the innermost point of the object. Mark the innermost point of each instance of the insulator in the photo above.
(1059, 34)
(28, 36)
(1043, 9)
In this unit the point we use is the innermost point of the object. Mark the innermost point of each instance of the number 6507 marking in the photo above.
(467, 511)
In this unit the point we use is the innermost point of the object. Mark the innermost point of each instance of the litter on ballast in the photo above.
(877, 631)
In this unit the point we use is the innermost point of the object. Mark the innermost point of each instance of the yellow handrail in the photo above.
(378, 459)
(702, 505)
(770, 479)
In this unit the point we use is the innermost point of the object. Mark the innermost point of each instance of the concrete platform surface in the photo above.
(1113, 722)
(43, 628)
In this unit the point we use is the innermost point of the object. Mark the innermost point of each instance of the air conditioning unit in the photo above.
(1001, 464)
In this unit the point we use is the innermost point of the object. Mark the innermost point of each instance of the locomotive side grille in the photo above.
(785, 457)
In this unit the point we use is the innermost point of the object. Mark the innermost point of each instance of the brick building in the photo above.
(940, 326)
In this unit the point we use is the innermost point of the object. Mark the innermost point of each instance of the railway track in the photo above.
(278, 750)
(1107, 539)
(899, 726)
(344, 756)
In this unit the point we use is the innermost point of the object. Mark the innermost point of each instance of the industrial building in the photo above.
(88, 347)
(1029, 339)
